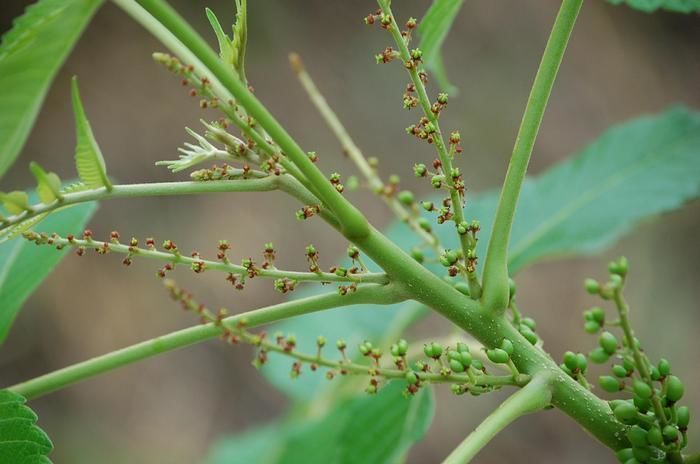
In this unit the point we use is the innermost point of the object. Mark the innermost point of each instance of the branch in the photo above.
(167, 25)
(495, 277)
(375, 294)
(533, 397)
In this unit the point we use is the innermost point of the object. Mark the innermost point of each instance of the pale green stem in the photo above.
(355, 154)
(375, 294)
(205, 264)
(287, 184)
(495, 276)
(533, 397)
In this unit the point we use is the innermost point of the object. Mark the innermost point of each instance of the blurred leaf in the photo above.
(376, 429)
(433, 30)
(641, 168)
(23, 265)
(88, 157)
(21, 441)
(30, 55)
(649, 6)
(48, 184)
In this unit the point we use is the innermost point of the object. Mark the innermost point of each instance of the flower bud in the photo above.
(592, 286)
(683, 417)
(674, 389)
(507, 346)
(637, 436)
(411, 378)
(664, 367)
(420, 170)
(570, 360)
(406, 198)
(497, 356)
(608, 342)
(462, 287)
(599, 356)
(456, 366)
(610, 384)
(642, 389)
(625, 412)
(670, 433)
(654, 436)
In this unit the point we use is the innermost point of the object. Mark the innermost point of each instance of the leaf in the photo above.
(30, 55)
(15, 202)
(23, 265)
(21, 440)
(641, 168)
(650, 6)
(375, 429)
(21, 227)
(232, 51)
(225, 48)
(48, 187)
(88, 157)
(433, 30)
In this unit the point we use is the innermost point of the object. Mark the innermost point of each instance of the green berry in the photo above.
(655, 437)
(478, 365)
(507, 346)
(664, 367)
(642, 404)
(625, 412)
(433, 350)
(526, 332)
(670, 433)
(619, 371)
(674, 388)
(465, 358)
(563, 367)
(655, 374)
(462, 347)
(615, 281)
(608, 342)
(417, 254)
(424, 224)
(610, 384)
(529, 322)
(411, 378)
(598, 315)
(642, 389)
(456, 366)
(498, 356)
(641, 454)
(591, 327)
(599, 356)
(581, 362)
(403, 346)
(624, 455)
(637, 436)
(683, 417)
(570, 360)
(442, 98)
(592, 286)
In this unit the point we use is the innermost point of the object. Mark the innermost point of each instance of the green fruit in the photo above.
(608, 342)
(478, 365)
(664, 367)
(610, 384)
(655, 374)
(641, 453)
(591, 286)
(683, 417)
(591, 327)
(406, 198)
(465, 358)
(670, 433)
(497, 356)
(411, 377)
(526, 332)
(507, 346)
(642, 404)
(655, 437)
(570, 360)
(581, 362)
(463, 288)
(462, 347)
(637, 436)
(598, 315)
(403, 346)
(529, 322)
(626, 413)
(624, 455)
(642, 389)
(599, 356)
(619, 371)
(563, 367)
(456, 366)
(674, 388)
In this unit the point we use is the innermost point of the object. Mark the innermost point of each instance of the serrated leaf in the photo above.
(48, 186)
(30, 55)
(225, 47)
(88, 157)
(650, 6)
(21, 440)
(23, 265)
(375, 429)
(15, 202)
(240, 38)
(433, 30)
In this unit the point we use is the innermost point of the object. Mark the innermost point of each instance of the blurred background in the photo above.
(620, 63)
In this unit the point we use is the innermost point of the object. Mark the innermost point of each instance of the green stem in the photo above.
(284, 183)
(375, 294)
(352, 221)
(495, 277)
(533, 397)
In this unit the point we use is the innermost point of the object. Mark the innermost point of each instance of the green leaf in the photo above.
(650, 6)
(225, 48)
(21, 440)
(636, 170)
(376, 429)
(433, 30)
(15, 202)
(88, 157)
(30, 55)
(232, 51)
(48, 187)
(23, 265)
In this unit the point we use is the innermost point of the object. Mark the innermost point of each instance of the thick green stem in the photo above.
(495, 276)
(376, 294)
(352, 221)
(535, 396)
